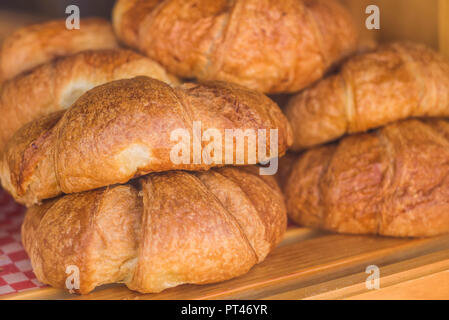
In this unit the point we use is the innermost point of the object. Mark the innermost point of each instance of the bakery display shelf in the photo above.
(311, 264)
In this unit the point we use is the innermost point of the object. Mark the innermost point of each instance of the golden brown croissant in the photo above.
(397, 81)
(268, 45)
(393, 181)
(36, 44)
(162, 231)
(56, 85)
(124, 129)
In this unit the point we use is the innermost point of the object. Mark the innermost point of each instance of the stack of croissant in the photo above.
(378, 146)
(88, 117)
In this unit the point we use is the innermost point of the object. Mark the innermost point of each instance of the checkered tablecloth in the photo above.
(15, 269)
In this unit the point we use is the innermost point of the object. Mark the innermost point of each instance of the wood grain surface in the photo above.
(310, 264)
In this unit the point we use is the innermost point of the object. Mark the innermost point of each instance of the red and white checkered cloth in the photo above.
(15, 268)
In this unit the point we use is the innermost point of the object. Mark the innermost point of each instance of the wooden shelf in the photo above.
(310, 264)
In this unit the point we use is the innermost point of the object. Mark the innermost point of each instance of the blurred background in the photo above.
(425, 21)
(17, 13)
(56, 8)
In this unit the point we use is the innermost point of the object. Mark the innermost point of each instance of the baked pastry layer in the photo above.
(161, 231)
(393, 181)
(125, 129)
(58, 84)
(267, 45)
(396, 81)
(31, 46)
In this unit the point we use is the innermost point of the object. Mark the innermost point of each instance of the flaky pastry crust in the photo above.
(392, 182)
(124, 129)
(58, 84)
(268, 45)
(161, 231)
(33, 45)
(396, 81)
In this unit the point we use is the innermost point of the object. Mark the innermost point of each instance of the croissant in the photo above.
(36, 44)
(397, 81)
(393, 182)
(57, 85)
(159, 232)
(124, 129)
(270, 46)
